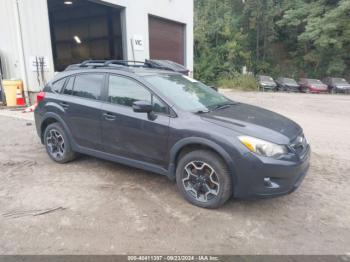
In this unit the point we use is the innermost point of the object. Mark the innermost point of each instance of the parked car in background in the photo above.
(337, 85)
(287, 84)
(312, 86)
(266, 83)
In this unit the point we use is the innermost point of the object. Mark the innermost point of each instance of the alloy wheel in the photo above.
(200, 181)
(55, 144)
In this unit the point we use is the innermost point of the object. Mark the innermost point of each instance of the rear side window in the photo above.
(88, 86)
(58, 85)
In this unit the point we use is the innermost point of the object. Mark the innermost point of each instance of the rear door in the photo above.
(81, 102)
(129, 134)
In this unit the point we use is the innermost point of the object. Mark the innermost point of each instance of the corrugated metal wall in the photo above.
(8, 40)
(35, 36)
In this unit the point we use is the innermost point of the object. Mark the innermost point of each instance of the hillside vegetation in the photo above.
(276, 37)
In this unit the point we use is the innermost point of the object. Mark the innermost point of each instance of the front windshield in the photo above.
(266, 78)
(290, 81)
(339, 81)
(315, 81)
(187, 93)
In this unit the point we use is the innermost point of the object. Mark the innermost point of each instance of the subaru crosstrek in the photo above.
(168, 123)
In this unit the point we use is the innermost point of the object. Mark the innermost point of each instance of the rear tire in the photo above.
(57, 144)
(204, 179)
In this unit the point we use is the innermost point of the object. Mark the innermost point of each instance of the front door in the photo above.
(129, 134)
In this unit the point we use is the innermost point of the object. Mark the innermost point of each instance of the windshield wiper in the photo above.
(202, 111)
(223, 106)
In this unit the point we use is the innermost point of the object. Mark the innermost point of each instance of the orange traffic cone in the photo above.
(19, 97)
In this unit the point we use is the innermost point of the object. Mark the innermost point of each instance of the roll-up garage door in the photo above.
(167, 40)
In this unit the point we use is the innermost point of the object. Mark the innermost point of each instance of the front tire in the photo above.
(203, 178)
(57, 144)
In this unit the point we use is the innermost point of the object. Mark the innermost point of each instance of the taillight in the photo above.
(40, 97)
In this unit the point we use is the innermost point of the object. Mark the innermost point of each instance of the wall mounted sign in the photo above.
(138, 43)
(39, 63)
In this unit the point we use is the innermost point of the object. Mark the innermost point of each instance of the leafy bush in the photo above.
(239, 82)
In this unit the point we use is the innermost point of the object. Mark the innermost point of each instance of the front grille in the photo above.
(299, 145)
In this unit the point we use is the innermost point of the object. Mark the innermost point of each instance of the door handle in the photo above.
(109, 116)
(64, 105)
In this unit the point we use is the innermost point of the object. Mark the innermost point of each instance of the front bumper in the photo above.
(269, 87)
(293, 88)
(318, 90)
(260, 177)
(342, 89)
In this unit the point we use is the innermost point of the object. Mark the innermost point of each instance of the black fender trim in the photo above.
(202, 141)
(61, 121)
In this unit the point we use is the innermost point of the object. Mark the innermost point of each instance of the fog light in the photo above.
(270, 184)
(267, 182)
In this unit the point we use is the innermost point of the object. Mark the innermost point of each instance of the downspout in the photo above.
(22, 59)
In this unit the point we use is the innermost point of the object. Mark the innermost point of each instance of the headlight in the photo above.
(262, 147)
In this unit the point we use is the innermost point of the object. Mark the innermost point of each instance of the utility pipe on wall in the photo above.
(22, 58)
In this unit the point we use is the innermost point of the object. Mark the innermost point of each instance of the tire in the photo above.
(57, 144)
(194, 182)
(333, 91)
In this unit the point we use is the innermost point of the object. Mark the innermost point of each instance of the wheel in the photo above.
(57, 144)
(333, 90)
(203, 178)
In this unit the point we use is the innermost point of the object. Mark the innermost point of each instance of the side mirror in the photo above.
(142, 107)
(214, 88)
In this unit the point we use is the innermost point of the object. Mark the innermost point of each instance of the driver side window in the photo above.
(124, 91)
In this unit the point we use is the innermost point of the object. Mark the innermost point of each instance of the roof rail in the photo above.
(104, 63)
(121, 64)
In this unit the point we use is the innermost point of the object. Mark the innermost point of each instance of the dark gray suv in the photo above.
(170, 124)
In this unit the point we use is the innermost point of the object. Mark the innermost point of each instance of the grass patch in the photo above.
(239, 82)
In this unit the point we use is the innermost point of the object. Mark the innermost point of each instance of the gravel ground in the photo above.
(106, 208)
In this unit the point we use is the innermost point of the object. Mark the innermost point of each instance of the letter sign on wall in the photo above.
(138, 43)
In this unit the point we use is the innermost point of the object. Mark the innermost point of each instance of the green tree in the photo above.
(277, 37)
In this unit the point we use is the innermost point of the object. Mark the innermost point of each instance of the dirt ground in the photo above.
(108, 208)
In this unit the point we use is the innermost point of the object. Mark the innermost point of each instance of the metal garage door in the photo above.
(167, 40)
(84, 30)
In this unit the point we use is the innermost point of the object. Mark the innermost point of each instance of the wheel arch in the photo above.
(50, 118)
(192, 143)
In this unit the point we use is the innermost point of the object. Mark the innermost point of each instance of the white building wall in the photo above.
(36, 31)
(8, 41)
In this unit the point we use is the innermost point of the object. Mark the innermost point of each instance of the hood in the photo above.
(255, 121)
